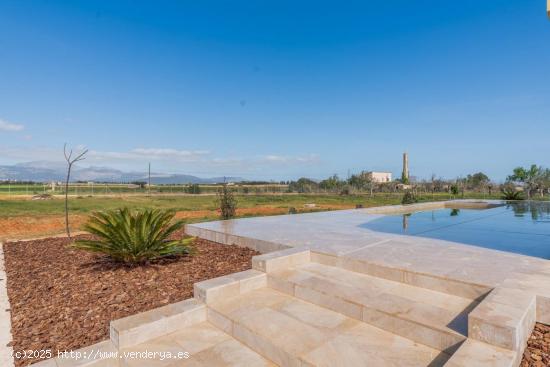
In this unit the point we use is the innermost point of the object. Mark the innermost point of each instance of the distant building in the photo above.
(379, 176)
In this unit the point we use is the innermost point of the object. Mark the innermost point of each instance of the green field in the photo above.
(84, 189)
(83, 205)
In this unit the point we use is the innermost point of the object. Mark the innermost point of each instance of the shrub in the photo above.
(454, 190)
(346, 190)
(227, 202)
(193, 189)
(134, 237)
(408, 198)
(303, 185)
(509, 192)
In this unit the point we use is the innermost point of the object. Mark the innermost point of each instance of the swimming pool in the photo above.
(519, 227)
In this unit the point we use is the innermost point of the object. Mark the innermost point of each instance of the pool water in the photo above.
(519, 227)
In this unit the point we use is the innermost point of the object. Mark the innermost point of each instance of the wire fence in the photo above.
(107, 189)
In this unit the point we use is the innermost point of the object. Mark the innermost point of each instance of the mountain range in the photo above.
(44, 171)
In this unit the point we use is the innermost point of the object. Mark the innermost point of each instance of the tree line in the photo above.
(523, 180)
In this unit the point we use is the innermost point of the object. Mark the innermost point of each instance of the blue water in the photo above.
(520, 227)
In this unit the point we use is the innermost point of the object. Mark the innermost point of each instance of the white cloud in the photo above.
(169, 160)
(311, 158)
(166, 154)
(163, 152)
(9, 126)
(275, 158)
(25, 154)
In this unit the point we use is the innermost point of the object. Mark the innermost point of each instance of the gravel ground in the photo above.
(537, 353)
(63, 299)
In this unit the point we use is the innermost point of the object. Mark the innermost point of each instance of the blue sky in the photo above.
(278, 90)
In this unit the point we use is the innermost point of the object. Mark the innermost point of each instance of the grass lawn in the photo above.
(84, 205)
(25, 218)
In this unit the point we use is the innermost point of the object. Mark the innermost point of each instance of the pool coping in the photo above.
(513, 289)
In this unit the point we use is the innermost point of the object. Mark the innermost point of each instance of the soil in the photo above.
(63, 299)
(537, 353)
(34, 226)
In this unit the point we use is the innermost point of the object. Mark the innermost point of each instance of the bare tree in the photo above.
(70, 161)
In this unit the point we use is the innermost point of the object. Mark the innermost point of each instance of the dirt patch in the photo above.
(64, 299)
(537, 353)
(34, 226)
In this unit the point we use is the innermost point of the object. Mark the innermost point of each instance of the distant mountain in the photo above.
(42, 171)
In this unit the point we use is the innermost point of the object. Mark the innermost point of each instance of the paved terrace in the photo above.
(513, 290)
(339, 233)
(328, 292)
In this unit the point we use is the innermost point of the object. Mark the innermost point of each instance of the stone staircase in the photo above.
(295, 309)
(432, 318)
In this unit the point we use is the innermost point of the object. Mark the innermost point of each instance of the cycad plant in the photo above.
(134, 237)
(509, 192)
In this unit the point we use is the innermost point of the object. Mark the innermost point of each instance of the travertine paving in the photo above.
(327, 292)
(293, 332)
(5, 320)
(205, 345)
(429, 317)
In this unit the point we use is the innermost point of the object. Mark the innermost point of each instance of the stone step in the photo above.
(197, 345)
(479, 354)
(438, 320)
(291, 332)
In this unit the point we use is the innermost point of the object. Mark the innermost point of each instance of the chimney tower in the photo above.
(405, 174)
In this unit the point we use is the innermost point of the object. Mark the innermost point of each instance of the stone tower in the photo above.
(405, 174)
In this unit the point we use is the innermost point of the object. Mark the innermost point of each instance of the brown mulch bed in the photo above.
(537, 353)
(63, 299)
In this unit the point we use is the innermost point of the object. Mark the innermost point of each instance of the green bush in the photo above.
(454, 190)
(408, 198)
(193, 189)
(227, 202)
(509, 192)
(346, 190)
(134, 237)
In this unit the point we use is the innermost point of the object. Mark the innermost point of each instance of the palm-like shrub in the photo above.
(509, 192)
(134, 237)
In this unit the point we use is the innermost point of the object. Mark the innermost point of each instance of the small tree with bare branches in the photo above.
(226, 202)
(70, 161)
